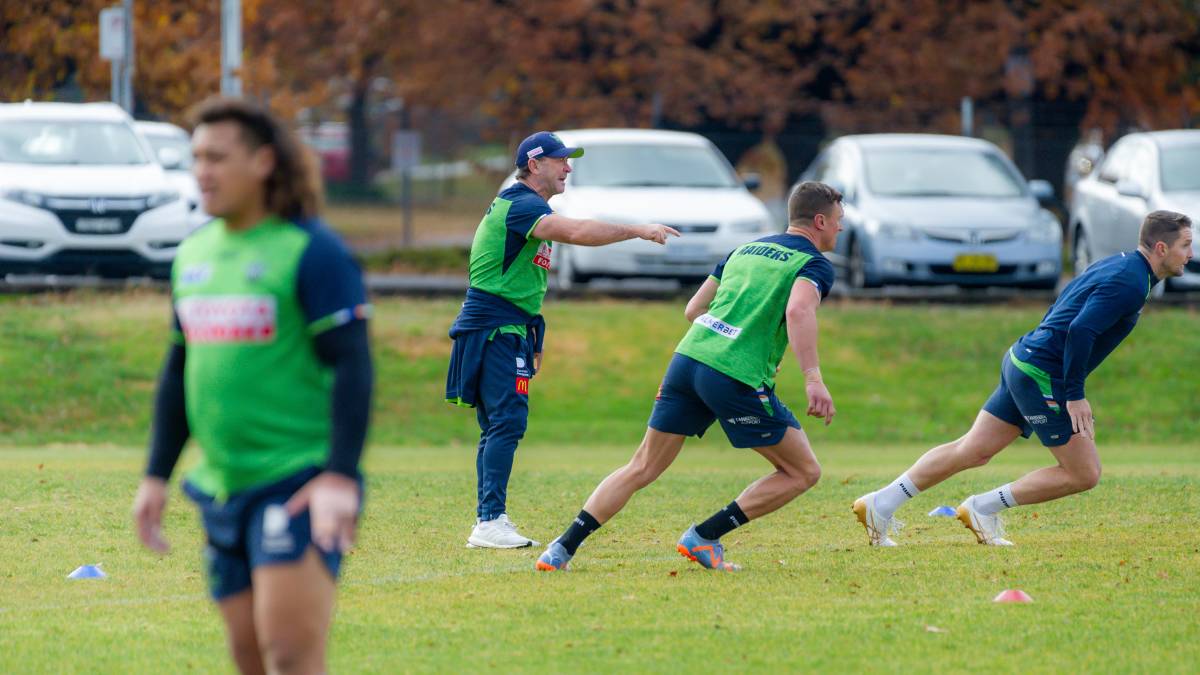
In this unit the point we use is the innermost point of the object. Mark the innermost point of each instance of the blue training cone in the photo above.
(87, 572)
(947, 511)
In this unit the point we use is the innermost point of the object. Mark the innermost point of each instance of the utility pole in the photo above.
(127, 79)
(231, 48)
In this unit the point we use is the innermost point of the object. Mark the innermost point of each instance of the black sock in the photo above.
(722, 522)
(579, 529)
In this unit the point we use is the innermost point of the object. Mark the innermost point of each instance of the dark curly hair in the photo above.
(293, 190)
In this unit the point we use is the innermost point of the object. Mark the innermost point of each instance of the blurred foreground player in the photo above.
(270, 372)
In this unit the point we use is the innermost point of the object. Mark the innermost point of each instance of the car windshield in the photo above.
(1181, 168)
(648, 165)
(180, 144)
(69, 142)
(924, 172)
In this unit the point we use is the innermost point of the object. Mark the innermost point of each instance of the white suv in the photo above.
(651, 176)
(80, 193)
(172, 148)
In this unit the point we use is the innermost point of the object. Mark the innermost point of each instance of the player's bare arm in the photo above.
(702, 299)
(555, 227)
(148, 508)
(801, 317)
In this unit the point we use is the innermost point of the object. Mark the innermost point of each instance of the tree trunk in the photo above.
(360, 136)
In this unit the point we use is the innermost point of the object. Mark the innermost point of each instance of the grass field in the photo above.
(81, 368)
(1114, 573)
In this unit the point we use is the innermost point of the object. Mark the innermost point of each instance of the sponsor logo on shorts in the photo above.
(718, 326)
(658, 396)
(1037, 419)
(276, 537)
(227, 318)
(522, 385)
(542, 258)
(748, 419)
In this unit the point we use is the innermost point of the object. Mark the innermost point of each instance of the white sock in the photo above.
(891, 497)
(994, 501)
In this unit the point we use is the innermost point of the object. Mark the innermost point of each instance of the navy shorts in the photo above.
(251, 529)
(693, 395)
(1025, 402)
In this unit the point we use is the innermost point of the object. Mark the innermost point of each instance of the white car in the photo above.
(1142, 172)
(80, 193)
(172, 148)
(651, 176)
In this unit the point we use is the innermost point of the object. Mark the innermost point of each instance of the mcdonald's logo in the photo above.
(522, 385)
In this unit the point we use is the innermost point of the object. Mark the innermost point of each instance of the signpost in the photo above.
(112, 48)
(116, 45)
(406, 156)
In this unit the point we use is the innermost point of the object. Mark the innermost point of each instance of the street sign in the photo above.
(406, 150)
(112, 34)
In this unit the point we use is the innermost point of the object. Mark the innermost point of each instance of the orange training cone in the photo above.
(1012, 595)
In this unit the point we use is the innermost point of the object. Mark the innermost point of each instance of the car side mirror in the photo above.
(752, 181)
(1128, 188)
(1042, 190)
(170, 158)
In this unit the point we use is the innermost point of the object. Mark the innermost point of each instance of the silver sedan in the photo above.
(1142, 172)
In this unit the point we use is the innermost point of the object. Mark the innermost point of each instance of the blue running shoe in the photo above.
(554, 558)
(708, 552)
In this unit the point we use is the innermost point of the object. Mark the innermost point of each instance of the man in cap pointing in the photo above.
(499, 332)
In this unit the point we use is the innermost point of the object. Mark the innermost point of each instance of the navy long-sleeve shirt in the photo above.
(1094, 313)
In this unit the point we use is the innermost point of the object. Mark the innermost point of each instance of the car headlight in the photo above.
(897, 231)
(26, 197)
(161, 198)
(750, 226)
(1046, 230)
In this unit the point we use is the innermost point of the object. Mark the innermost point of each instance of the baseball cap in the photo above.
(544, 144)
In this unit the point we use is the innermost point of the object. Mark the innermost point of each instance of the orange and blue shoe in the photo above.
(553, 559)
(708, 552)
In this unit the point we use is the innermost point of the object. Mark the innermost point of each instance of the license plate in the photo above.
(683, 252)
(98, 225)
(975, 262)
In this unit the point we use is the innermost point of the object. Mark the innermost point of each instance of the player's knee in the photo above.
(804, 477)
(244, 649)
(287, 654)
(811, 474)
(1087, 478)
(972, 453)
(641, 474)
(509, 426)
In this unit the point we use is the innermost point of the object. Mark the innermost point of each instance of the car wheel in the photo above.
(1081, 256)
(858, 267)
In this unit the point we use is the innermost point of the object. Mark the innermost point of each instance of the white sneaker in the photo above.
(988, 529)
(498, 533)
(876, 525)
